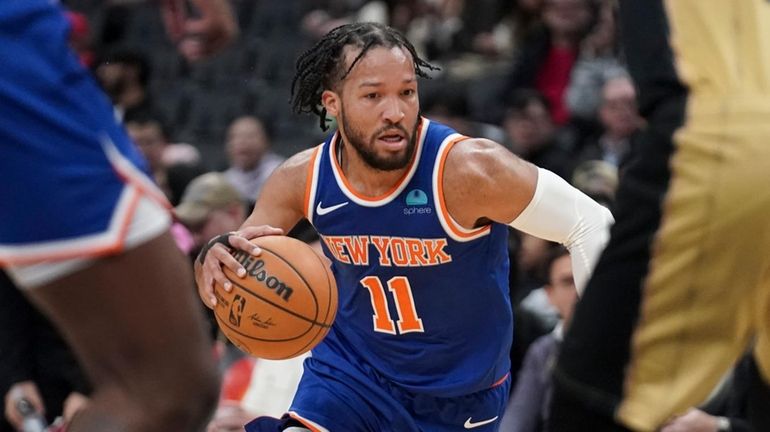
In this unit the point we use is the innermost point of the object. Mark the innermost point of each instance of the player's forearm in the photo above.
(558, 212)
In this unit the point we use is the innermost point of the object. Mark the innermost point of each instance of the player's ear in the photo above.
(331, 101)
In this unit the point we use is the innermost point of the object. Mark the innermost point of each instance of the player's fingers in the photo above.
(224, 258)
(206, 290)
(242, 243)
(241, 239)
(251, 232)
(211, 273)
(203, 281)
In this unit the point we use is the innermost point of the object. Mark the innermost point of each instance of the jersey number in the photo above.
(408, 321)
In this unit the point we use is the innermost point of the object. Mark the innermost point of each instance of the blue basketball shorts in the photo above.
(73, 187)
(341, 397)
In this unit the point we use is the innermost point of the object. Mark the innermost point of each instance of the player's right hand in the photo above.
(209, 272)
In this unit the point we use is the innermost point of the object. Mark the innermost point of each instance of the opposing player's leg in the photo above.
(698, 301)
(133, 321)
(759, 382)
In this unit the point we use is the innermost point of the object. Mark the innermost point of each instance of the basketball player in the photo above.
(415, 218)
(682, 288)
(85, 232)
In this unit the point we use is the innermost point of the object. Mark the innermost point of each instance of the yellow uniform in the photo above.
(683, 288)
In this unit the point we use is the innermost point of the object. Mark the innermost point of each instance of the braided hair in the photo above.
(322, 67)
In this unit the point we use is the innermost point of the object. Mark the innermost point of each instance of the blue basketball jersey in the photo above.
(422, 300)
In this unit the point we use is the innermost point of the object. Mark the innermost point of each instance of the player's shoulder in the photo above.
(292, 174)
(474, 157)
(301, 161)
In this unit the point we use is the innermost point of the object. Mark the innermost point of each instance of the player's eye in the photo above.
(371, 96)
(409, 92)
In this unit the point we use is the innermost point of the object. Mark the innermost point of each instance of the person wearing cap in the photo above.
(210, 205)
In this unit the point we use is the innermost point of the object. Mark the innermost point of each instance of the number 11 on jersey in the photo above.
(408, 321)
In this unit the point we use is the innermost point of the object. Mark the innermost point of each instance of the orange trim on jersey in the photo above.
(309, 181)
(83, 252)
(304, 422)
(454, 226)
(333, 151)
(500, 381)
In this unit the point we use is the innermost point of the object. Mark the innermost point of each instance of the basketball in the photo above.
(285, 304)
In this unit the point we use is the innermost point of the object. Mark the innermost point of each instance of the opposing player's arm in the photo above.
(278, 209)
(485, 182)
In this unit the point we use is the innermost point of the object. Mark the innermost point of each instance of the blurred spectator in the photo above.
(251, 160)
(597, 179)
(482, 43)
(547, 57)
(528, 407)
(35, 363)
(151, 134)
(530, 260)
(451, 108)
(325, 15)
(178, 177)
(598, 63)
(210, 206)
(124, 75)
(620, 120)
(253, 387)
(528, 255)
(434, 28)
(527, 16)
(80, 38)
(533, 135)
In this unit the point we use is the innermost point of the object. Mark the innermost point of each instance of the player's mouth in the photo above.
(392, 140)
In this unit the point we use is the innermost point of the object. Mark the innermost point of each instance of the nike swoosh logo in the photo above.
(470, 425)
(320, 210)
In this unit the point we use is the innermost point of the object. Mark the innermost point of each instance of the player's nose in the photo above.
(393, 111)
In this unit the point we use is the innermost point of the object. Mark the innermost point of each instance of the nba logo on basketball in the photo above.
(236, 310)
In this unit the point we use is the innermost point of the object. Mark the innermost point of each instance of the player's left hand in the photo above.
(199, 37)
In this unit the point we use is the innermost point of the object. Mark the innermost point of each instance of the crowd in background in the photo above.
(543, 77)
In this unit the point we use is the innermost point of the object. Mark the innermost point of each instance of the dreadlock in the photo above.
(323, 67)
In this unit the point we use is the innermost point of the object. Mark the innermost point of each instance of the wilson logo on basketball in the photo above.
(255, 268)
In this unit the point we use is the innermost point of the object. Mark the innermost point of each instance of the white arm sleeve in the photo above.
(560, 213)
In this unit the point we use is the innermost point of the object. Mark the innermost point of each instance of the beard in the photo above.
(365, 147)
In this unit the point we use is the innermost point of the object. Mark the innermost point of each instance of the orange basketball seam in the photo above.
(322, 330)
(301, 276)
(328, 284)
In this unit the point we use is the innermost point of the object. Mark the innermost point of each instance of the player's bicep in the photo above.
(486, 181)
(513, 188)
